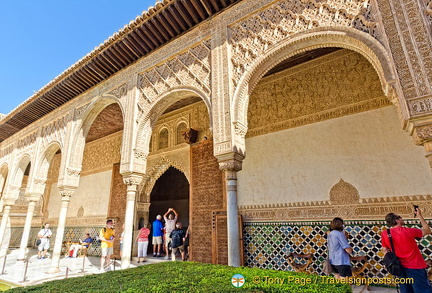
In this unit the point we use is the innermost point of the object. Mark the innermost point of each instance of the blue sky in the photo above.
(41, 39)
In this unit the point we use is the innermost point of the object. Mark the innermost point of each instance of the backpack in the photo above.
(391, 262)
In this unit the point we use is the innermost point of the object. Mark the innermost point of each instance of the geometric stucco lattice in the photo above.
(191, 68)
(252, 37)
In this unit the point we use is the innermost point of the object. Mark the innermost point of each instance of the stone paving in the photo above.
(16, 275)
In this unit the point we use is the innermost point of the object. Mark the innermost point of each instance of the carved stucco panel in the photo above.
(55, 132)
(409, 42)
(307, 94)
(255, 35)
(191, 68)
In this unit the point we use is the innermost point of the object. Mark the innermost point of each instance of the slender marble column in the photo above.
(55, 262)
(232, 219)
(132, 182)
(26, 232)
(230, 164)
(6, 211)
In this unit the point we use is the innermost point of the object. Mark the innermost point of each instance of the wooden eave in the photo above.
(157, 26)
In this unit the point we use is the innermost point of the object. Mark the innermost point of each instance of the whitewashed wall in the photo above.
(368, 150)
(92, 194)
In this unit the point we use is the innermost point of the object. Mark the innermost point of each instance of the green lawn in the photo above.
(191, 277)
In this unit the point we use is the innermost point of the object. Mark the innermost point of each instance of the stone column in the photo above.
(6, 210)
(27, 227)
(66, 195)
(230, 164)
(132, 181)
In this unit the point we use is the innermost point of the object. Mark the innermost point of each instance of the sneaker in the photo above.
(38, 257)
(166, 257)
(102, 270)
(43, 257)
(154, 254)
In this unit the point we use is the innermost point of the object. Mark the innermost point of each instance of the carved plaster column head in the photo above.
(132, 181)
(230, 163)
(34, 197)
(423, 136)
(66, 193)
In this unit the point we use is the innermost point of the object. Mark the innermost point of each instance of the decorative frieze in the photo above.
(27, 140)
(191, 68)
(261, 31)
(368, 208)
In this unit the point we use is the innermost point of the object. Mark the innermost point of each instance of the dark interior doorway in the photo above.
(171, 190)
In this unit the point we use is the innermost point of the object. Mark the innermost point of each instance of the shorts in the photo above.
(45, 244)
(107, 251)
(343, 270)
(181, 248)
(167, 239)
(157, 240)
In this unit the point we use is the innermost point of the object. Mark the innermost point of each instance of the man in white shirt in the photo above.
(44, 235)
(170, 225)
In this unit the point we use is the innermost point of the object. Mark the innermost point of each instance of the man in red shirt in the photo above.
(407, 251)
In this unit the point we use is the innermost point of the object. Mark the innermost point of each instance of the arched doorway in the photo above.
(171, 190)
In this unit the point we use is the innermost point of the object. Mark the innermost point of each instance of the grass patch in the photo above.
(190, 277)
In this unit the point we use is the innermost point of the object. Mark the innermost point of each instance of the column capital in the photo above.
(66, 192)
(132, 179)
(143, 206)
(230, 162)
(34, 197)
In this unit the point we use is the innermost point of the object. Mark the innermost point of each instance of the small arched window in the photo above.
(181, 128)
(163, 138)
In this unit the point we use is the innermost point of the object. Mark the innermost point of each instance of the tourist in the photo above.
(44, 235)
(407, 251)
(186, 242)
(177, 239)
(83, 244)
(339, 249)
(157, 236)
(142, 239)
(106, 236)
(170, 224)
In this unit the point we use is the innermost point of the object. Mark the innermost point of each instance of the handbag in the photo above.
(391, 262)
(326, 266)
(39, 241)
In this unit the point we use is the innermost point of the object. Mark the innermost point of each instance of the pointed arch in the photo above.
(83, 128)
(17, 176)
(341, 37)
(156, 172)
